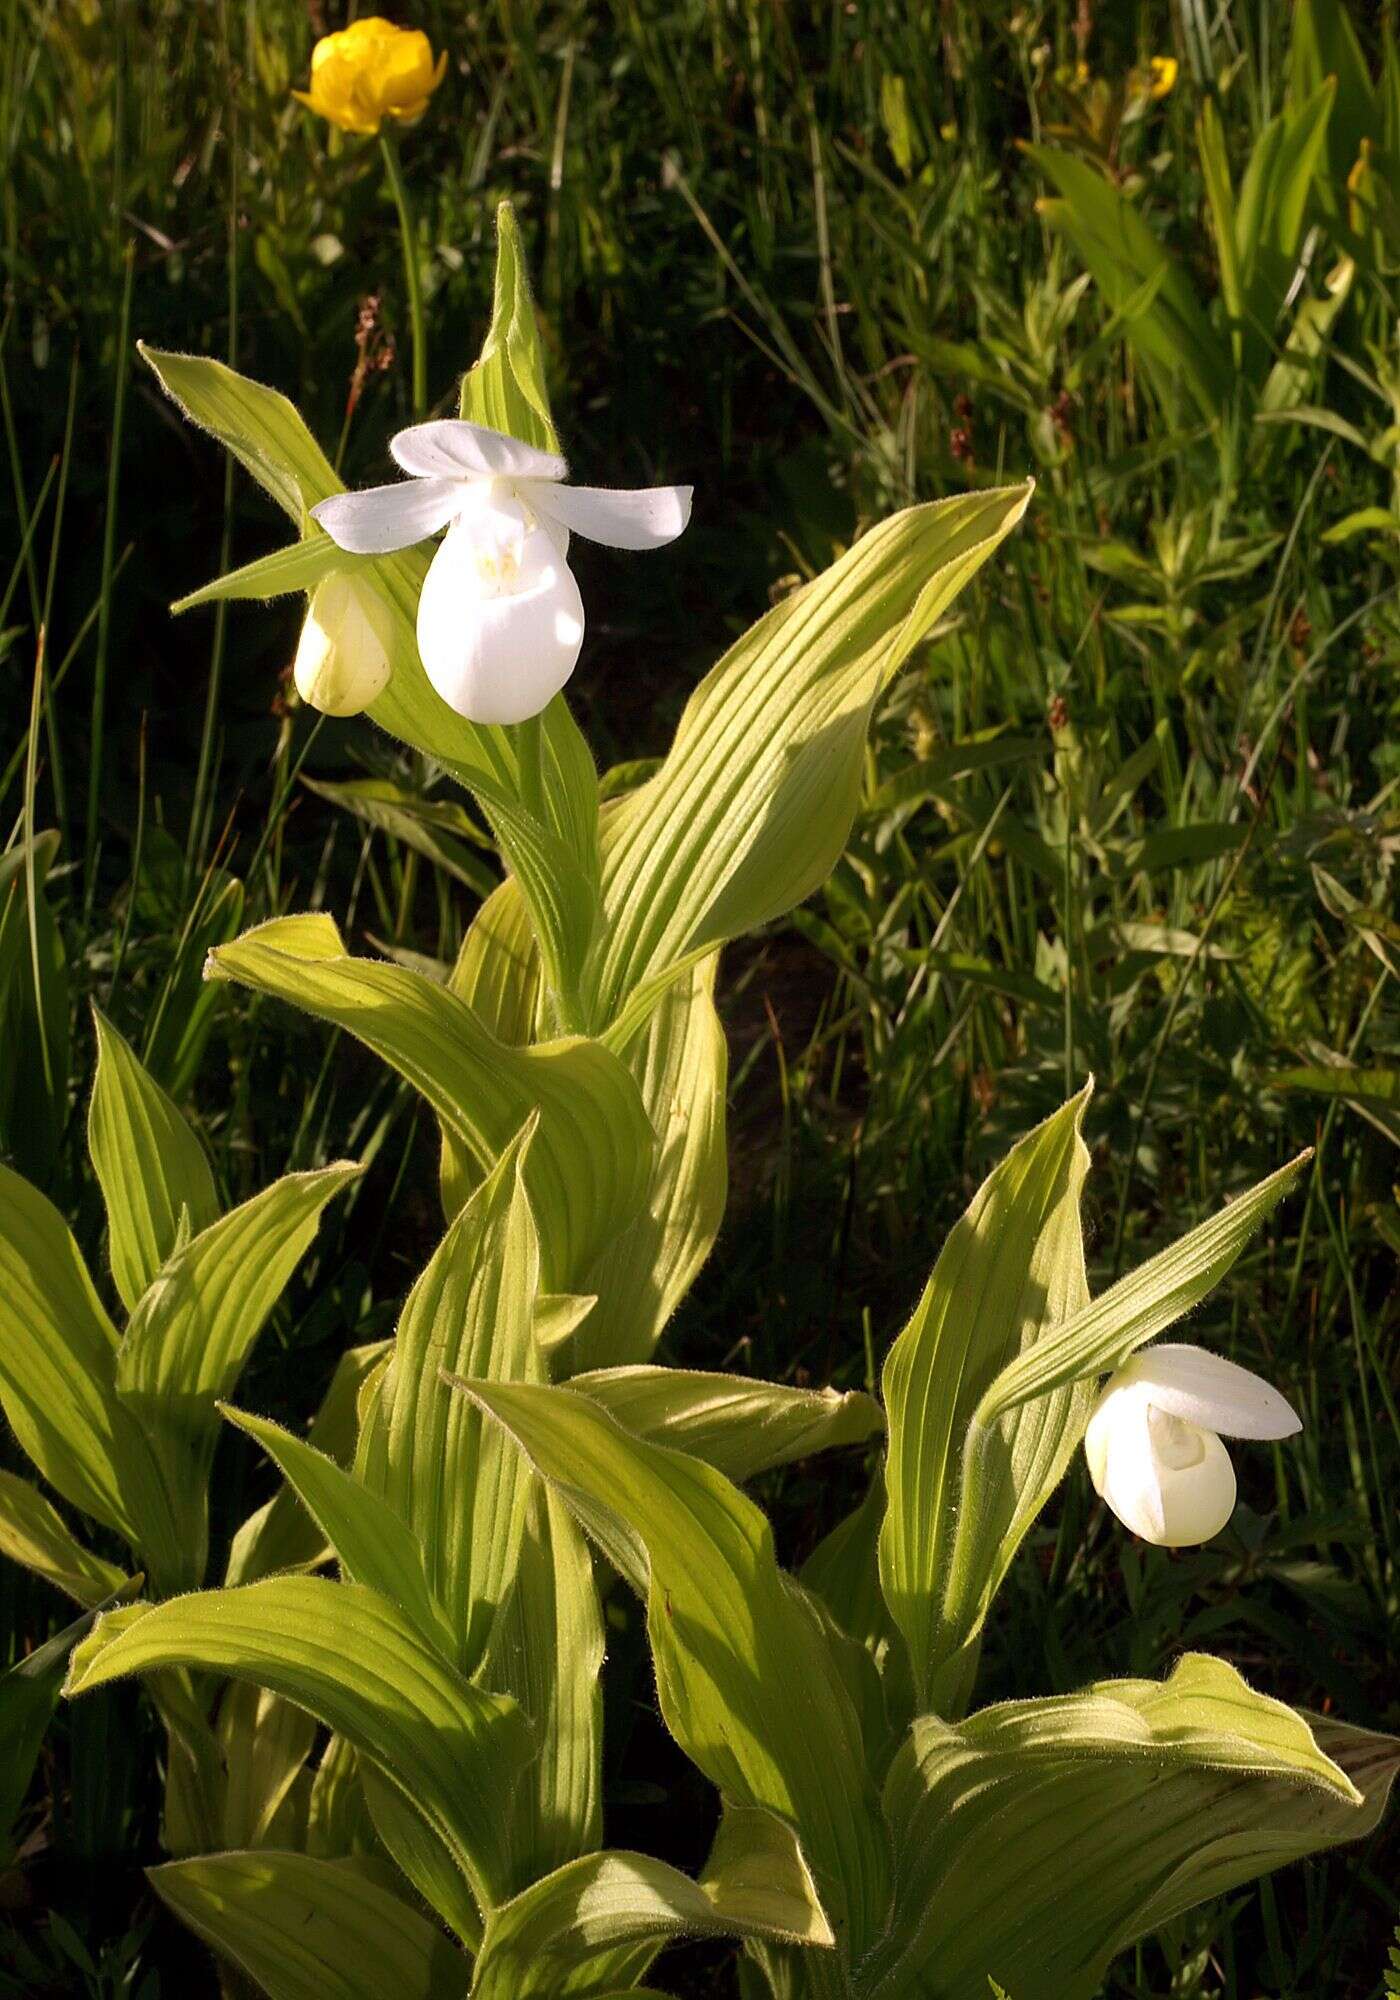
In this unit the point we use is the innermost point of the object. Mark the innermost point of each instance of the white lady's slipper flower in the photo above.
(342, 661)
(500, 619)
(1152, 1445)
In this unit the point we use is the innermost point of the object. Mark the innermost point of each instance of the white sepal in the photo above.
(452, 448)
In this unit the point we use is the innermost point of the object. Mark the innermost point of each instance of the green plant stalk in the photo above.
(104, 616)
(413, 277)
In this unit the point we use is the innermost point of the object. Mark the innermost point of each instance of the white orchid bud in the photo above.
(342, 661)
(1153, 1441)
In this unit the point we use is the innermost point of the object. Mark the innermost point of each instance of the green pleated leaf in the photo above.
(281, 1534)
(312, 1930)
(372, 1541)
(681, 1065)
(1011, 1272)
(745, 1678)
(1037, 1840)
(149, 1164)
(1103, 1335)
(436, 1464)
(843, 1574)
(739, 1426)
(264, 1743)
(31, 1533)
(546, 1650)
(603, 1918)
(193, 1329)
(356, 1662)
(756, 796)
(589, 1165)
(58, 1359)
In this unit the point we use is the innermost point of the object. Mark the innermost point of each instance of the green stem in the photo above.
(109, 545)
(413, 277)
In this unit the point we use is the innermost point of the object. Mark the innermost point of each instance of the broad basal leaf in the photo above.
(739, 1426)
(58, 1354)
(357, 1663)
(437, 1465)
(588, 1168)
(1011, 1271)
(149, 1164)
(745, 1678)
(33, 1534)
(312, 1930)
(755, 799)
(1037, 1840)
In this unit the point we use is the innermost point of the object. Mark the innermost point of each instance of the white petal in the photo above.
(1122, 1464)
(498, 655)
(384, 518)
(644, 519)
(1208, 1390)
(451, 448)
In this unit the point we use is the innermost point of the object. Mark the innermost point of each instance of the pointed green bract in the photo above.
(149, 1163)
(431, 1457)
(731, 1637)
(505, 390)
(589, 1165)
(1039, 1839)
(754, 801)
(312, 1930)
(354, 1660)
(1010, 1273)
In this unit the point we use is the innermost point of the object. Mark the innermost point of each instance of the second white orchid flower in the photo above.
(1153, 1441)
(500, 619)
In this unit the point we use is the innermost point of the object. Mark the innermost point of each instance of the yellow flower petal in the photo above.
(371, 71)
(1164, 72)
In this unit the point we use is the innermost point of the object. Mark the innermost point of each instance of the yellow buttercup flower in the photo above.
(371, 71)
(1163, 71)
